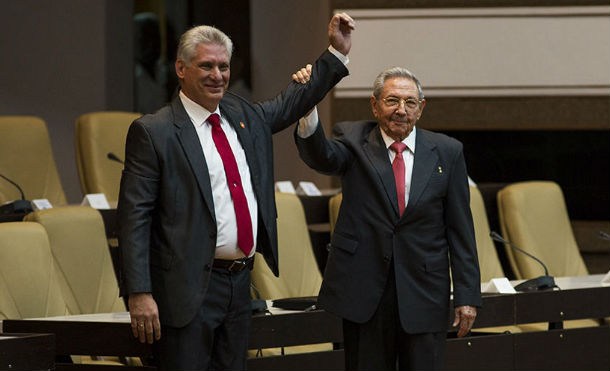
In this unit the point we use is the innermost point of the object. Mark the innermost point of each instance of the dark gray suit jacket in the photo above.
(435, 231)
(167, 227)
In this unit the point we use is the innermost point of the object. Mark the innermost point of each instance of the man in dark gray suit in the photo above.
(197, 201)
(404, 219)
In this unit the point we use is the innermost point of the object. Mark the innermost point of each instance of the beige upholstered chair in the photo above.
(29, 280)
(27, 159)
(489, 263)
(97, 134)
(78, 242)
(334, 204)
(533, 216)
(299, 274)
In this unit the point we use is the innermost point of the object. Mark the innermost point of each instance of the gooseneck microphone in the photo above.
(535, 284)
(114, 157)
(17, 206)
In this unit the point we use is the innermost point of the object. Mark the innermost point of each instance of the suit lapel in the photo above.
(376, 151)
(242, 129)
(189, 140)
(424, 164)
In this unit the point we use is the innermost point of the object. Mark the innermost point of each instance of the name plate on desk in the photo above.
(41, 204)
(498, 285)
(96, 201)
(309, 189)
(285, 186)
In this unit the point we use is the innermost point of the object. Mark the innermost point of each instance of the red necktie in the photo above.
(398, 165)
(240, 204)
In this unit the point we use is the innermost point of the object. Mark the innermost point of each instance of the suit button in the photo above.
(207, 267)
(386, 258)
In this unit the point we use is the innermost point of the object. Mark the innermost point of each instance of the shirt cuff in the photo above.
(308, 124)
(343, 58)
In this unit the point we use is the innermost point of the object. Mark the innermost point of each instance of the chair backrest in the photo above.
(97, 134)
(533, 216)
(29, 285)
(334, 204)
(27, 159)
(299, 274)
(489, 263)
(79, 245)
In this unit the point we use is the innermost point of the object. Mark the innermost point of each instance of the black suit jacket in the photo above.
(167, 227)
(435, 231)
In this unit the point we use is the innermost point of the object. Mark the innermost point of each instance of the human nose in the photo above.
(402, 107)
(216, 74)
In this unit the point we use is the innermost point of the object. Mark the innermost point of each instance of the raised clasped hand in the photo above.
(303, 75)
(340, 32)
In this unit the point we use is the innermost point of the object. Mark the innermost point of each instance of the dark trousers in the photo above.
(382, 344)
(217, 338)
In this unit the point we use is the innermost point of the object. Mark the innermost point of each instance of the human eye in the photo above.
(391, 101)
(206, 66)
(224, 67)
(411, 103)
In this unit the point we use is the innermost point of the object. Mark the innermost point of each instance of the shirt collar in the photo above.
(409, 141)
(198, 114)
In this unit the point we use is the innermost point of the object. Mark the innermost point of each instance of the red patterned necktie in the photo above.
(240, 204)
(398, 166)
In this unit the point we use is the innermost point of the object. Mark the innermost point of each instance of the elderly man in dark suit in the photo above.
(404, 220)
(197, 201)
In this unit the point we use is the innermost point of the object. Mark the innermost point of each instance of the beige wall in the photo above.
(483, 52)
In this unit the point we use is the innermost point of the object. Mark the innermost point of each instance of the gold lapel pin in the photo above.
(243, 126)
(440, 170)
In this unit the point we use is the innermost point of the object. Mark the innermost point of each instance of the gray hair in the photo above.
(202, 35)
(391, 73)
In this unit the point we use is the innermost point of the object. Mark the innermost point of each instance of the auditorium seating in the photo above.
(489, 263)
(78, 241)
(533, 216)
(299, 274)
(27, 159)
(29, 279)
(97, 134)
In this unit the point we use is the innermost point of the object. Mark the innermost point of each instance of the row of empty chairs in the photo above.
(56, 262)
(27, 157)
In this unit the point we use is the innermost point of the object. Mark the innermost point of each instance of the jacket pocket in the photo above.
(344, 243)
(160, 258)
(436, 263)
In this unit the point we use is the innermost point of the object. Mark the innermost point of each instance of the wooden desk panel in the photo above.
(295, 329)
(556, 306)
(27, 351)
(574, 349)
(85, 338)
(485, 352)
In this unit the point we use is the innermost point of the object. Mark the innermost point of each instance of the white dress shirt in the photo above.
(308, 125)
(226, 240)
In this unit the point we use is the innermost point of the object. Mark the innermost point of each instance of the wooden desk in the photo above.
(27, 351)
(580, 297)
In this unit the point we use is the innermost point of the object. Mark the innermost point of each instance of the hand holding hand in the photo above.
(144, 317)
(464, 317)
(340, 32)
(303, 75)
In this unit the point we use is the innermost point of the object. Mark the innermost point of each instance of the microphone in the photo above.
(535, 284)
(604, 236)
(114, 157)
(18, 206)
